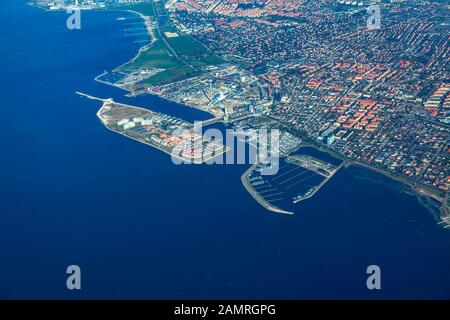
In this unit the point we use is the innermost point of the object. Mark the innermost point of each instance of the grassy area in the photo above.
(210, 59)
(170, 75)
(157, 56)
(185, 45)
(144, 8)
(192, 52)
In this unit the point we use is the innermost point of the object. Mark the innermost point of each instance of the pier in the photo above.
(93, 98)
(324, 181)
(256, 195)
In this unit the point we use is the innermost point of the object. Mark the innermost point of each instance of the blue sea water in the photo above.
(72, 192)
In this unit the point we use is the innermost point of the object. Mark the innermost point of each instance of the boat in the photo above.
(304, 196)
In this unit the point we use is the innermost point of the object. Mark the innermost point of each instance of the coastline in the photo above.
(106, 102)
(420, 190)
(423, 190)
(152, 37)
(415, 186)
(149, 33)
(171, 232)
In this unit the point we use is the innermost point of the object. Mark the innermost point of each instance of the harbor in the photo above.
(169, 134)
(299, 177)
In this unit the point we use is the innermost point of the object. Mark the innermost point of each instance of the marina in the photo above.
(299, 178)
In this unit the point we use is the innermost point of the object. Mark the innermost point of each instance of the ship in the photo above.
(304, 196)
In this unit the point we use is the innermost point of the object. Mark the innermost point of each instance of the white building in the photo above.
(146, 122)
(122, 122)
(129, 125)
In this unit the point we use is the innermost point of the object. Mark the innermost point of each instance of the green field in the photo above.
(145, 8)
(193, 56)
(185, 45)
(193, 52)
(170, 75)
(157, 56)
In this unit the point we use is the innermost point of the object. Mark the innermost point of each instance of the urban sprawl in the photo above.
(379, 97)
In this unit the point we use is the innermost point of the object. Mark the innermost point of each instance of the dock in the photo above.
(93, 98)
(255, 194)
